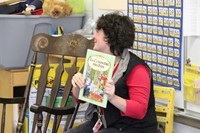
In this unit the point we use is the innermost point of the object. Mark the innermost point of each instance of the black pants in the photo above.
(11, 9)
(87, 128)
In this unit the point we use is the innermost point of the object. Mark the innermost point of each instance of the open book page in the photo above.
(97, 70)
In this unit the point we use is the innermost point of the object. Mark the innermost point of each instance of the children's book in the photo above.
(97, 70)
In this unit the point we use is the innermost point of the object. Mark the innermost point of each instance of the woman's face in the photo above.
(100, 43)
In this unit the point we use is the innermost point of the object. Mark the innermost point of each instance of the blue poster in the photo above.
(158, 37)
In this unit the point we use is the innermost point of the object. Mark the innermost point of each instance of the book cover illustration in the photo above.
(97, 70)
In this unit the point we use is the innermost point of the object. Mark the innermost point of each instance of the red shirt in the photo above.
(138, 83)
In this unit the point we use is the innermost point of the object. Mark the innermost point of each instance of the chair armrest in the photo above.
(15, 100)
(55, 111)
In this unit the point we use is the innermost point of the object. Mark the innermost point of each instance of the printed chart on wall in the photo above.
(158, 37)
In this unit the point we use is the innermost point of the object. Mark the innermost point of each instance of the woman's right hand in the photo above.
(78, 80)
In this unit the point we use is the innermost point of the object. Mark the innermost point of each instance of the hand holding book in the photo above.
(97, 71)
(110, 89)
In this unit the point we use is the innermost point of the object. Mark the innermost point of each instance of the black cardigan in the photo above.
(112, 115)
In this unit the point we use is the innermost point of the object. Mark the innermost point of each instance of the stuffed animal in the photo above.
(56, 8)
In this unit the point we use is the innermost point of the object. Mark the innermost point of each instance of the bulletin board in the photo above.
(158, 38)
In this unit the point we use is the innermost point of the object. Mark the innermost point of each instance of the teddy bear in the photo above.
(56, 8)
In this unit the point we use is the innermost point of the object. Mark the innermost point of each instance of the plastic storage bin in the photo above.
(16, 32)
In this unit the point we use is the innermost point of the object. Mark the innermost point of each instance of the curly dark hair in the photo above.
(119, 31)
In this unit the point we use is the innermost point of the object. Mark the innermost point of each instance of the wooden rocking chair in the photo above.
(69, 47)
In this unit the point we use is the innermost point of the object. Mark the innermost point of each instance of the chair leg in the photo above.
(3, 118)
(160, 129)
(54, 124)
(39, 123)
(69, 124)
(19, 126)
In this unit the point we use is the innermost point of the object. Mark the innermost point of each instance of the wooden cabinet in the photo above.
(9, 79)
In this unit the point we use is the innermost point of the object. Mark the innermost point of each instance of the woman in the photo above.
(131, 103)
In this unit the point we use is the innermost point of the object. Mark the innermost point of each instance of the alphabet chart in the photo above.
(158, 37)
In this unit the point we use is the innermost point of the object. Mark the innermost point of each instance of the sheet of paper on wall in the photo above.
(191, 18)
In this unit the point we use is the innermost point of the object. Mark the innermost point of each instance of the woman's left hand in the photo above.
(110, 89)
(117, 101)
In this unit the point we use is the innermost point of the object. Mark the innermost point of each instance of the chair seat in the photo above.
(15, 100)
(55, 111)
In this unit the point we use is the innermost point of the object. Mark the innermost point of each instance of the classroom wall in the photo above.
(191, 33)
(88, 9)
(193, 49)
(105, 6)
